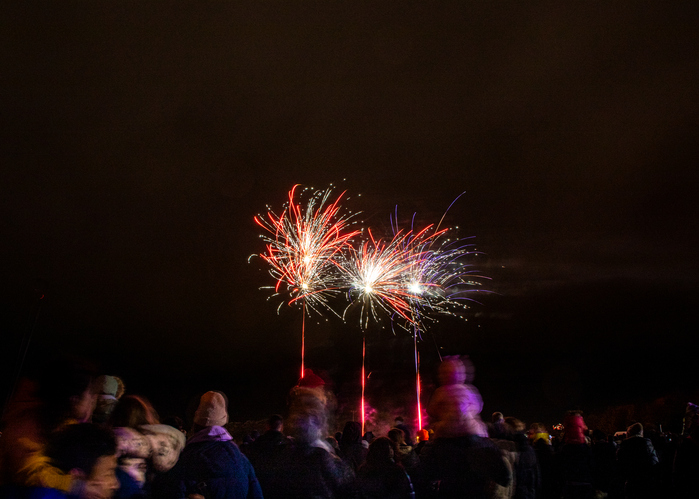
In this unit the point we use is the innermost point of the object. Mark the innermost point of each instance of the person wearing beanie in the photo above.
(109, 390)
(636, 460)
(211, 464)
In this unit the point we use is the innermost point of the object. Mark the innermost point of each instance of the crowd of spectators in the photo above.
(74, 435)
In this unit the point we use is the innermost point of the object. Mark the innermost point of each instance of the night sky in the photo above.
(139, 139)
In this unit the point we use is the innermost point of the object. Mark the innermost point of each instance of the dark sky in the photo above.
(139, 139)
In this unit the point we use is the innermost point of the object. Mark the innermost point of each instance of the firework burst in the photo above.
(303, 244)
(437, 280)
(374, 272)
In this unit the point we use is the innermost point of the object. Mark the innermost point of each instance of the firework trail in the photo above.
(437, 282)
(302, 248)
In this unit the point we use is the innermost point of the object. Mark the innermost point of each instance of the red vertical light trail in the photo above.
(363, 379)
(303, 339)
(417, 380)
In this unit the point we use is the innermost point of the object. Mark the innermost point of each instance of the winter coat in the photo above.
(527, 474)
(463, 467)
(575, 464)
(302, 471)
(212, 465)
(636, 460)
(384, 481)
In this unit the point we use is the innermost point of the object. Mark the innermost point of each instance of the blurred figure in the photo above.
(351, 449)
(685, 473)
(133, 411)
(456, 405)
(134, 449)
(211, 465)
(58, 392)
(405, 455)
(177, 423)
(497, 428)
(380, 477)
(636, 460)
(273, 437)
(466, 464)
(500, 436)
(541, 442)
(604, 454)
(527, 477)
(575, 461)
(88, 453)
(308, 467)
(265, 450)
(332, 442)
(109, 390)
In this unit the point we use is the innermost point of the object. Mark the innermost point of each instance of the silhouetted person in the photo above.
(575, 460)
(405, 455)
(273, 437)
(463, 465)
(265, 450)
(211, 465)
(685, 474)
(541, 443)
(527, 476)
(351, 448)
(57, 392)
(308, 467)
(380, 477)
(604, 454)
(636, 459)
(87, 452)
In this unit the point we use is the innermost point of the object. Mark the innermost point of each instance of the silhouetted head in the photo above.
(381, 451)
(352, 434)
(599, 435)
(635, 430)
(397, 436)
(275, 422)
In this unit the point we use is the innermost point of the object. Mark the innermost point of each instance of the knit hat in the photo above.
(310, 380)
(212, 410)
(110, 385)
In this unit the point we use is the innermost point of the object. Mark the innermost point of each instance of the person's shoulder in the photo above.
(15, 492)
